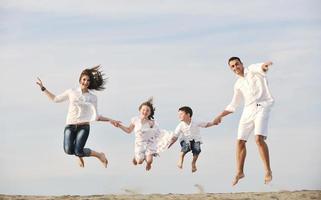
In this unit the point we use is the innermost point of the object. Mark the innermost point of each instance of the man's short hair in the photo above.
(187, 110)
(234, 58)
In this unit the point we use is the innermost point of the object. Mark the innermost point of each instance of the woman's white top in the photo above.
(82, 106)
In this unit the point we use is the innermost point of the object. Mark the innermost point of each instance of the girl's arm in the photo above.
(128, 129)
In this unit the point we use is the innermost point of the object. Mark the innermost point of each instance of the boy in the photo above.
(190, 135)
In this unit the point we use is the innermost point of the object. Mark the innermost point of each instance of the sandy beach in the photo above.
(283, 195)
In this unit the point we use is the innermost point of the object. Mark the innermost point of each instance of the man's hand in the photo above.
(266, 66)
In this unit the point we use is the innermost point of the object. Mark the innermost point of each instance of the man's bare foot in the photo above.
(237, 178)
(180, 165)
(134, 161)
(268, 177)
(148, 166)
(81, 162)
(103, 159)
(194, 168)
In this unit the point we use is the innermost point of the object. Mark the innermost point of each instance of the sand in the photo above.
(284, 195)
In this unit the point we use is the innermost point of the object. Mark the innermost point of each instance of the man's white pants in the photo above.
(254, 118)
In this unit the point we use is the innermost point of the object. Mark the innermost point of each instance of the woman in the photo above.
(82, 110)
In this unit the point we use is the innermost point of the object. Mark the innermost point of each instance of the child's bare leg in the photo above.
(81, 162)
(149, 161)
(195, 157)
(139, 159)
(101, 156)
(181, 160)
(134, 161)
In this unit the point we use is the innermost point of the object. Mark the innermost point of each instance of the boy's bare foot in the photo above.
(180, 165)
(194, 168)
(237, 178)
(134, 161)
(148, 166)
(81, 162)
(268, 177)
(103, 159)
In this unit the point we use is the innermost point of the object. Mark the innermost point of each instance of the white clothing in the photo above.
(189, 132)
(82, 106)
(254, 118)
(253, 88)
(149, 140)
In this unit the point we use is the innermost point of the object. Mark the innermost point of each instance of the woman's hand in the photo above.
(115, 123)
(39, 82)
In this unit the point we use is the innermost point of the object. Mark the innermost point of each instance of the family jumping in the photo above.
(251, 86)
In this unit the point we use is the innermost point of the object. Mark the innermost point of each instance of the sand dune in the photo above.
(284, 195)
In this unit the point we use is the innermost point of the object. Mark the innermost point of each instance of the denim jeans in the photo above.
(75, 137)
(191, 145)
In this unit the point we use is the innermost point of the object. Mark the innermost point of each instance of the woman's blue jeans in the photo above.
(75, 137)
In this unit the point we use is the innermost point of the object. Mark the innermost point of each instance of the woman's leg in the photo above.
(69, 140)
(81, 139)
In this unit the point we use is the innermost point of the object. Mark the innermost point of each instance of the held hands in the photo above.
(217, 120)
(115, 123)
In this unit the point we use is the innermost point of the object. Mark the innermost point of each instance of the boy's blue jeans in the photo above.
(191, 145)
(75, 137)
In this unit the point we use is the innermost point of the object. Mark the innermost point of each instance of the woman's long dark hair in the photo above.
(149, 103)
(96, 78)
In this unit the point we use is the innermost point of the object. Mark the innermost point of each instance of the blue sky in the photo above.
(175, 51)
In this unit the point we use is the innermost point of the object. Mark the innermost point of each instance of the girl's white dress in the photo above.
(149, 139)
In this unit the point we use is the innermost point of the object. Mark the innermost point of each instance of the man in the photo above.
(253, 88)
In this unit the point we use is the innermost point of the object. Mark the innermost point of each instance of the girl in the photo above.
(82, 110)
(148, 141)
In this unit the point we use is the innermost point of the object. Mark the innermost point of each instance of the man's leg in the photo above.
(240, 159)
(264, 154)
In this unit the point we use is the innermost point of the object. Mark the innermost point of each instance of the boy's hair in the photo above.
(149, 104)
(187, 110)
(234, 58)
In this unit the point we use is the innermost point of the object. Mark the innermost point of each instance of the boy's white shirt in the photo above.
(189, 132)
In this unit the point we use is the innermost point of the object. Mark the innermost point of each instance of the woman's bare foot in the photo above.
(268, 177)
(237, 178)
(103, 159)
(194, 168)
(134, 161)
(81, 162)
